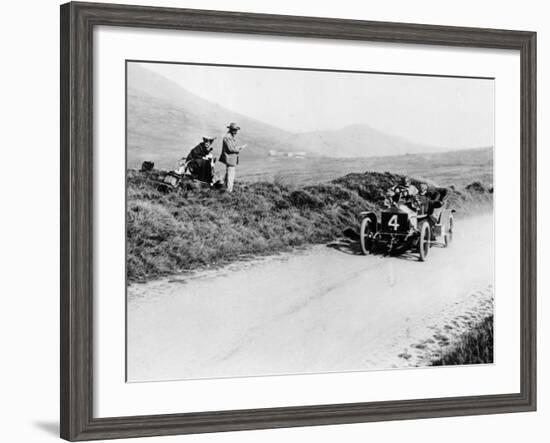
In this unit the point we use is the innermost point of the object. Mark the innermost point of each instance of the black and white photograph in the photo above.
(310, 221)
(298, 221)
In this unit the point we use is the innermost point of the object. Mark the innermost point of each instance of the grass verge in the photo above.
(474, 347)
(193, 228)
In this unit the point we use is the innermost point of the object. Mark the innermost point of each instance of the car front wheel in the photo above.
(366, 236)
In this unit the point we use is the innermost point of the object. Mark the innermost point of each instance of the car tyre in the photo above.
(449, 233)
(424, 240)
(365, 236)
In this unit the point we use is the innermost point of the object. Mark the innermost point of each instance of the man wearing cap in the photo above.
(404, 195)
(198, 160)
(230, 154)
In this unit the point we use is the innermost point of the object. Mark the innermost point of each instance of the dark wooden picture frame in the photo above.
(77, 23)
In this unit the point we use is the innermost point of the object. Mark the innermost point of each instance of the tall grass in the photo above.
(475, 347)
(187, 229)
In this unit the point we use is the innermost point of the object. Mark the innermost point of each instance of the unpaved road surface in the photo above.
(323, 309)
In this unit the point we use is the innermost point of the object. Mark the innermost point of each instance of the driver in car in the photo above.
(404, 195)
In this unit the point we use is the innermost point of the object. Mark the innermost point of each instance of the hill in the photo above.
(164, 121)
(360, 141)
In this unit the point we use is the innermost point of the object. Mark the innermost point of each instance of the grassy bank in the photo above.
(473, 348)
(188, 229)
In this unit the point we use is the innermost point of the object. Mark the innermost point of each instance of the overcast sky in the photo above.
(452, 113)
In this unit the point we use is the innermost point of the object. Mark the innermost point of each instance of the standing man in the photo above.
(230, 155)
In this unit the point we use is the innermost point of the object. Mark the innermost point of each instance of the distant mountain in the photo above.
(165, 121)
(360, 141)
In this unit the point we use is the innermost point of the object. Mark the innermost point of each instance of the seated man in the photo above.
(404, 196)
(430, 200)
(199, 160)
(430, 203)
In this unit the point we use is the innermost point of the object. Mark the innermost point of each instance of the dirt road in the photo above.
(323, 309)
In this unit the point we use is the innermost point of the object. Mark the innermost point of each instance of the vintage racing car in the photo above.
(399, 231)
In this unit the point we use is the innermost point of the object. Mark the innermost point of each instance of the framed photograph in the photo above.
(272, 221)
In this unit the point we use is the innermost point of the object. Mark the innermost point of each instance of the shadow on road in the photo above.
(353, 247)
(346, 246)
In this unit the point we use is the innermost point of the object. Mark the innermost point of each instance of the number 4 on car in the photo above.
(398, 231)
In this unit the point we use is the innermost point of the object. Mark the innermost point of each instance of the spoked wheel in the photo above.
(424, 241)
(449, 233)
(366, 235)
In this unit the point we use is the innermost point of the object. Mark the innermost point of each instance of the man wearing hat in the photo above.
(430, 203)
(230, 154)
(199, 160)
